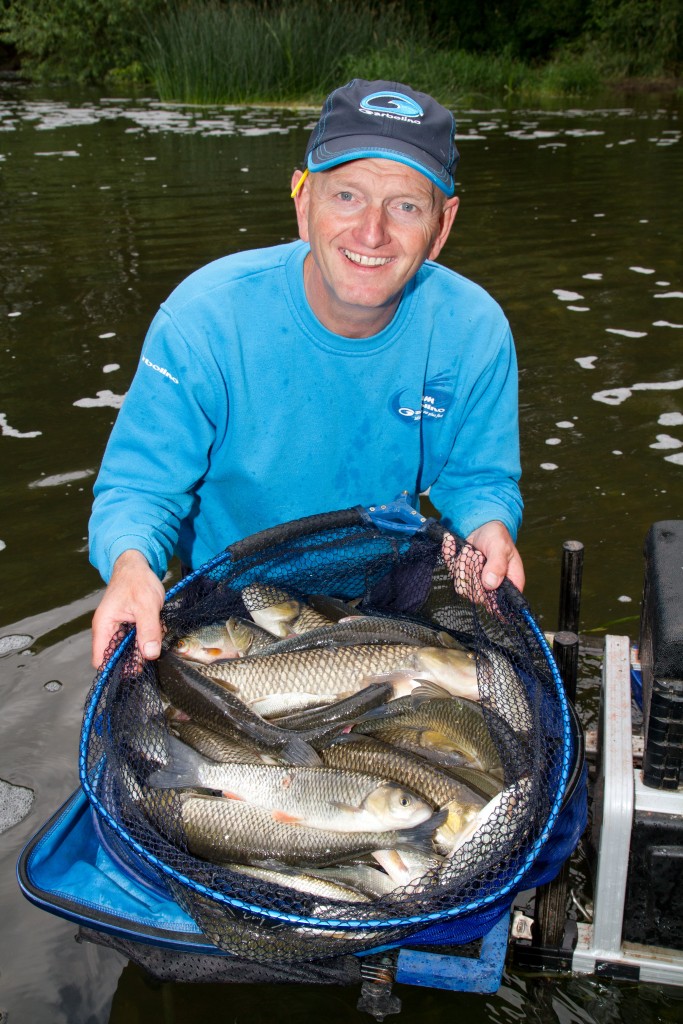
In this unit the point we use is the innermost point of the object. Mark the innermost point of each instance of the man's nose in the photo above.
(372, 229)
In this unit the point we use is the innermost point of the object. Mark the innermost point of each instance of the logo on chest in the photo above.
(433, 404)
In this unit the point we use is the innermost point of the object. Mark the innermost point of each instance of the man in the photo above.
(338, 370)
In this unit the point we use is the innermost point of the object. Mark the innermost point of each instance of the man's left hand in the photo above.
(502, 557)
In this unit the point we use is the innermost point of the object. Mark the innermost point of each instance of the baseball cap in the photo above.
(388, 120)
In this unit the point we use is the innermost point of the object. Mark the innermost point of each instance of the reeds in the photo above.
(214, 52)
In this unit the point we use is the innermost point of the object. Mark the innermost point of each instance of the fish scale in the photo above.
(219, 830)
(332, 670)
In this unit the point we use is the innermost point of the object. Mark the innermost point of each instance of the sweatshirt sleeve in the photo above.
(158, 450)
(479, 481)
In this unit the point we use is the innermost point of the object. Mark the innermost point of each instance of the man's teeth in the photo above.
(366, 261)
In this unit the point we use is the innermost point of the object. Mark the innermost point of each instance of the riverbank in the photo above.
(209, 52)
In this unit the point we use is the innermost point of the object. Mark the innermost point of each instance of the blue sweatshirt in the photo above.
(246, 412)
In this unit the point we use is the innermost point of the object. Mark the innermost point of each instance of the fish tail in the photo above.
(420, 837)
(182, 770)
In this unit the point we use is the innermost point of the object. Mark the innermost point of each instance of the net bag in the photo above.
(419, 576)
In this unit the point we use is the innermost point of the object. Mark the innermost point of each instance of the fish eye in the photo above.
(405, 801)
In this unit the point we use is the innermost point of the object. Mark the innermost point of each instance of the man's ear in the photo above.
(448, 212)
(300, 194)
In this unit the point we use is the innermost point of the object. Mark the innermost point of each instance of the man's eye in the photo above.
(408, 207)
(346, 196)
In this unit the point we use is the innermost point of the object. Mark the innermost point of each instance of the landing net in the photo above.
(428, 579)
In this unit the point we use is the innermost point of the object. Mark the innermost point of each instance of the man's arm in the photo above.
(134, 594)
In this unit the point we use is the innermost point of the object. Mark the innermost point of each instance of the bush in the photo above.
(81, 40)
(640, 37)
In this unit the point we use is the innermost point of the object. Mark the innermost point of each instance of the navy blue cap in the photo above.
(387, 120)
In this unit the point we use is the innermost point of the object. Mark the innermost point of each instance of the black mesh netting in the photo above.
(428, 584)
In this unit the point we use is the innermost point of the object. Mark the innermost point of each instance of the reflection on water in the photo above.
(571, 218)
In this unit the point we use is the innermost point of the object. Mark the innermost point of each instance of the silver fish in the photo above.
(220, 830)
(322, 798)
(206, 644)
(328, 888)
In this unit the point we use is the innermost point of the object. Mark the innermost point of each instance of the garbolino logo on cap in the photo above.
(388, 120)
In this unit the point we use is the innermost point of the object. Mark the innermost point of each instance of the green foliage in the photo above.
(640, 37)
(81, 40)
(238, 51)
(206, 51)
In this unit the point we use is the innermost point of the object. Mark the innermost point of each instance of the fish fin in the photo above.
(285, 819)
(420, 837)
(428, 690)
(183, 768)
(298, 751)
(393, 864)
(231, 796)
(346, 808)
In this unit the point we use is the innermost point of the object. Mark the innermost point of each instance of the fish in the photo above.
(206, 644)
(315, 883)
(357, 752)
(280, 705)
(369, 629)
(451, 728)
(247, 637)
(361, 877)
(217, 708)
(215, 747)
(341, 711)
(335, 669)
(220, 830)
(497, 824)
(320, 797)
(278, 612)
(407, 867)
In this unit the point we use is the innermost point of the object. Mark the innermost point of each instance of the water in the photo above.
(570, 217)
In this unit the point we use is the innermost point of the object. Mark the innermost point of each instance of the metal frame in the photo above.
(600, 949)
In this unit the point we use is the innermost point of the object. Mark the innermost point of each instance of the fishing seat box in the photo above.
(653, 913)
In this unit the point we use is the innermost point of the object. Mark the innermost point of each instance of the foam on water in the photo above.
(110, 368)
(104, 399)
(549, 466)
(670, 419)
(666, 441)
(62, 478)
(642, 270)
(566, 296)
(615, 396)
(676, 459)
(669, 295)
(625, 333)
(592, 277)
(586, 362)
(665, 323)
(8, 431)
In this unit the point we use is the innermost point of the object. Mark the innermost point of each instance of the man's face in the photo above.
(371, 224)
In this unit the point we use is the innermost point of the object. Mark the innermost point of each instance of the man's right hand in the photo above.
(134, 594)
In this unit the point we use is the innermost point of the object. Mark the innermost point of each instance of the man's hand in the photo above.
(502, 557)
(134, 594)
(482, 564)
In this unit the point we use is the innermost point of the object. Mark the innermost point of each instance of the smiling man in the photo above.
(337, 370)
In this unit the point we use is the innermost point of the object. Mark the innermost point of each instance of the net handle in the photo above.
(273, 535)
